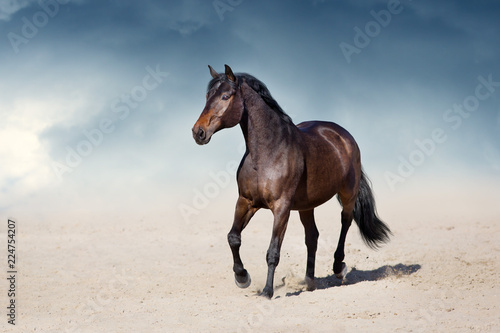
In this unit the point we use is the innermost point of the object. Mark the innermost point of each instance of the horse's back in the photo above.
(328, 136)
(317, 131)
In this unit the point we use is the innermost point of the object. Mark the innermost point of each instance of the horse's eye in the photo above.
(225, 97)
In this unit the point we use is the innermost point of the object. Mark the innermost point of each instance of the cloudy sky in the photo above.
(98, 97)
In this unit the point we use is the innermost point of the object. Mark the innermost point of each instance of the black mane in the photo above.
(259, 87)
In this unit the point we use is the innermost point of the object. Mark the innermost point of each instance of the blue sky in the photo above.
(120, 84)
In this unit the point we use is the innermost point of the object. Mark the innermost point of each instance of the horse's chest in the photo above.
(265, 184)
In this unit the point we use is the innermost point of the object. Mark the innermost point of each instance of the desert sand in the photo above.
(150, 271)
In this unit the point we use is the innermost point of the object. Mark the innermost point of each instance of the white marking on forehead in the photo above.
(216, 86)
(212, 91)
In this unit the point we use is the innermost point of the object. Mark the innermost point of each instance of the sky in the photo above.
(98, 98)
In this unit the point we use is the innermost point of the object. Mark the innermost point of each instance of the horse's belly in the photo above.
(310, 195)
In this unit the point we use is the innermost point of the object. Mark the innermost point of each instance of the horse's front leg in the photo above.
(242, 215)
(281, 214)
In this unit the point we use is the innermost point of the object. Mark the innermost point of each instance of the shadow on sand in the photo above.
(356, 276)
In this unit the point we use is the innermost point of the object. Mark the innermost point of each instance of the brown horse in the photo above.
(287, 167)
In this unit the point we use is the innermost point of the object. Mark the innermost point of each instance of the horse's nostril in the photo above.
(201, 134)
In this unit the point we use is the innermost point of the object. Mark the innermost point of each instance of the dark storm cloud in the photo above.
(66, 73)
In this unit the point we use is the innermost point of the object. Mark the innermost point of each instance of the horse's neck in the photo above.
(263, 128)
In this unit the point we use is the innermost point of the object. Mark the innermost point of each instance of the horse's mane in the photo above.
(259, 87)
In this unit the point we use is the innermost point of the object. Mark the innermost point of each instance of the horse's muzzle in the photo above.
(200, 136)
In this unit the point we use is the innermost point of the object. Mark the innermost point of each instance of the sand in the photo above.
(150, 271)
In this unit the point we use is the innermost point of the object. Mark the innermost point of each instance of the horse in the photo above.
(287, 167)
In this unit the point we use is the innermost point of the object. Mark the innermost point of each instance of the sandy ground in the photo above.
(153, 272)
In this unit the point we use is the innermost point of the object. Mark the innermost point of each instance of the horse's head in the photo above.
(224, 107)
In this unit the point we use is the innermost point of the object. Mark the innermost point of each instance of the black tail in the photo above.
(373, 231)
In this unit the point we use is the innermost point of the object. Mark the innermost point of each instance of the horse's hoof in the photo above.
(242, 281)
(310, 284)
(343, 272)
(267, 293)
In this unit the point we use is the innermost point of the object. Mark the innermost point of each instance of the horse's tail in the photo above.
(373, 230)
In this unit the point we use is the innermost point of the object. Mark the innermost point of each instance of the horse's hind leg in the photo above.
(339, 267)
(312, 234)
(242, 215)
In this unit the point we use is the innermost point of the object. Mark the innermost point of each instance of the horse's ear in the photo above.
(229, 74)
(213, 72)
